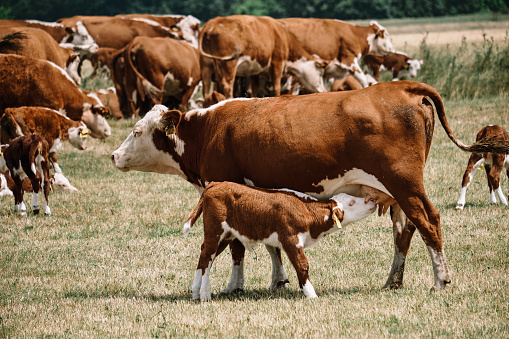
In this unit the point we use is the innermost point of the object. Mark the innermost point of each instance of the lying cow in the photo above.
(32, 82)
(48, 123)
(280, 218)
(27, 156)
(494, 164)
(317, 144)
(400, 64)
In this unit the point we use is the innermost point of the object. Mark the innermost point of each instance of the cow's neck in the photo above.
(362, 32)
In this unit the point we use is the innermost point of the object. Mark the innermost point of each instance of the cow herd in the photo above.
(212, 110)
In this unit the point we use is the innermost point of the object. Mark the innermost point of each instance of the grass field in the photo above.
(111, 262)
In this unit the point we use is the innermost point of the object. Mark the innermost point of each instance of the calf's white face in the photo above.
(309, 73)
(98, 125)
(60, 183)
(414, 65)
(354, 209)
(78, 136)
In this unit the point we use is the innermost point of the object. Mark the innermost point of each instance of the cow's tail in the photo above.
(235, 55)
(145, 87)
(193, 217)
(481, 146)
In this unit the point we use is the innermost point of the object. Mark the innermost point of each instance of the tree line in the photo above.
(51, 10)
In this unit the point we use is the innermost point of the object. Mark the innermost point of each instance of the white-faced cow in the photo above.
(166, 71)
(27, 156)
(54, 127)
(321, 144)
(494, 164)
(32, 82)
(283, 219)
(35, 43)
(399, 63)
(246, 46)
(341, 44)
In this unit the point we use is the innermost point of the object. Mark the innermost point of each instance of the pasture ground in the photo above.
(111, 262)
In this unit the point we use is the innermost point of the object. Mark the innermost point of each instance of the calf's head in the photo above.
(78, 136)
(94, 116)
(310, 74)
(351, 209)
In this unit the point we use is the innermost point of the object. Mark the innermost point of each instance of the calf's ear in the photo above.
(170, 121)
(337, 214)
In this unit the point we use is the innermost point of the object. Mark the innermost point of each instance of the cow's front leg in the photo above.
(237, 278)
(279, 278)
(403, 230)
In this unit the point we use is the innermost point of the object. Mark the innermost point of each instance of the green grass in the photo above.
(110, 260)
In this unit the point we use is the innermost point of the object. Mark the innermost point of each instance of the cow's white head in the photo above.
(379, 43)
(189, 28)
(78, 36)
(61, 184)
(78, 136)
(310, 74)
(94, 116)
(139, 151)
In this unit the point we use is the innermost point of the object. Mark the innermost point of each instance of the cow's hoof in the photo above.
(36, 211)
(459, 207)
(282, 283)
(440, 285)
(227, 292)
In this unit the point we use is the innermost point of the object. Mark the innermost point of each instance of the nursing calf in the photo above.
(27, 156)
(493, 163)
(283, 219)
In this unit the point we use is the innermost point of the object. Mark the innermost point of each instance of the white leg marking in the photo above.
(463, 193)
(236, 279)
(308, 290)
(278, 271)
(501, 196)
(195, 289)
(35, 202)
(205, 294)
(440, 270)
(493, 197)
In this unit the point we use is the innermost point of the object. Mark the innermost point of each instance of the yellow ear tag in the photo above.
(170, 129)
(84, 133)
(481, 167)
(336, 220)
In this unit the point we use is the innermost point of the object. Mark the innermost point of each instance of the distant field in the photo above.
(110, 262)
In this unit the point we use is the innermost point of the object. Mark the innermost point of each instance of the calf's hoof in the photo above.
(459, 207)
(440, 285)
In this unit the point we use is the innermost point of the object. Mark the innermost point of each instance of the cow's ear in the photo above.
(380, 34)
(69, 30)
(170, 121)
(321, 64)
(337, 216)
(101, 110)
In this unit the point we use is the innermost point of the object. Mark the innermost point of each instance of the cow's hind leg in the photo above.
(494, 178)
(19, 205)
(426, 218)
(403, 230)
(279, 278)
(46, 187)
(236, 282)
(201, 284)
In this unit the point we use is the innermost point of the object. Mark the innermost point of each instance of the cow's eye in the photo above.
(351, 203)
(136, 133)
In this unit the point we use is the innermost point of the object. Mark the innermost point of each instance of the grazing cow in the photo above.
(51, 125)
(35, 43)
(280, 218)
(400, 64)
(57, 181)
(27, 156)
(494, 164)
(341, 44)
(244, 45)
(56, 30)
(113, 32)
(166, 71)
(32, 82)
(321, 144)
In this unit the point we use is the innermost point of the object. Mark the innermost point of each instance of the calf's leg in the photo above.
(474, 162)
(300, 263)
(494, 179)
(236, 282)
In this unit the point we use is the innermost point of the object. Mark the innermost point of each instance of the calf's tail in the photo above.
(481, 146)
(193, 217)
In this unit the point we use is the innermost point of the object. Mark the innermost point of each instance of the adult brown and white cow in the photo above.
(33, 82)
(27, 156)
(283, 219)
(55, 29)
(54, 127)
(493, 164)
(36, 43)
(321, 144)
(399, 63)
(166, 71)
(341, 44)
(244, 45)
